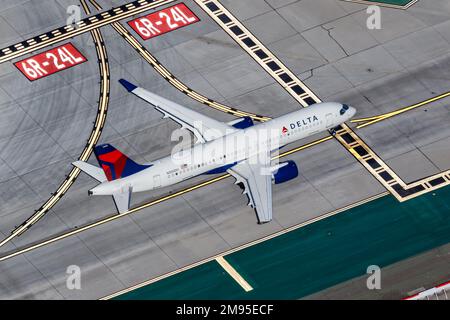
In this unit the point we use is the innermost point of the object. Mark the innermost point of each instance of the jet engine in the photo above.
(284, 171)
(242, 123)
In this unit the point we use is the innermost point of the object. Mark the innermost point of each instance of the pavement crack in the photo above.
(311, 74)
(337, 42)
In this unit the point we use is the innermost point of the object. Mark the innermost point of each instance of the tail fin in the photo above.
(114, 163)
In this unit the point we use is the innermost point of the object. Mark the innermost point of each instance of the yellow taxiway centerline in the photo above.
(99, 122)
(162, 70)
(244, 246)
(133, 210)
(76, 171)
(371, 120)
(60, 237)
(345, 135)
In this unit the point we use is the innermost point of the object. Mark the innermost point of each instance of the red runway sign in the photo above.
(163, 21)
(50, 62)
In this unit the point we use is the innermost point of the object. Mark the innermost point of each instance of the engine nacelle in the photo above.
(241, 123)
(284, 171)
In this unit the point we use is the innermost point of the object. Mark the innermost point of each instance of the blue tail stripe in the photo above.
(128, 85)
(130, 167)
(103, 148)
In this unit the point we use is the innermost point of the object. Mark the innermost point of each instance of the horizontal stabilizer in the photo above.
(93, 171)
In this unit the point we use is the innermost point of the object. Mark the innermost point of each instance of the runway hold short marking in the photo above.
(163, 21)
(50, 62)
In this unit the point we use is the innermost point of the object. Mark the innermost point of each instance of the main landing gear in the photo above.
(332, 131)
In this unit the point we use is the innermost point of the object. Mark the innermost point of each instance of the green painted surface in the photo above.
(207, 280)
(394, 2)
(319, 255)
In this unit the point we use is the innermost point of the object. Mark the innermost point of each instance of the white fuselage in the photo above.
(234, 147)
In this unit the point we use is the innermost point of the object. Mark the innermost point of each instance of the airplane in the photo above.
(242, 148)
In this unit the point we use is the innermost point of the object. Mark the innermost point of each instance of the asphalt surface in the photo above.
(399, 280)
(331, 251)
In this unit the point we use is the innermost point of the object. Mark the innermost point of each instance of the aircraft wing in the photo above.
(203, 127)
(257, 183)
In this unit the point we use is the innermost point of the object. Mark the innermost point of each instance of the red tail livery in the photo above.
(114, 163)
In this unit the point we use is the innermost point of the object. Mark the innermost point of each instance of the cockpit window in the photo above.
(344, 109)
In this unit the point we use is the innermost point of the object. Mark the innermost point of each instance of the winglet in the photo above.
(129, 86)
